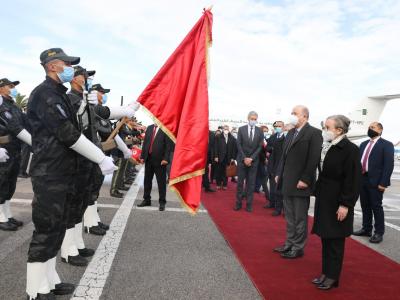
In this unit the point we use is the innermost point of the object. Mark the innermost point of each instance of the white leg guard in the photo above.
(3, 215)
(52, 275)
(90, 216)
(7, 210)
(97, 213)
(36, 279)
(78, 236)
(68, 247)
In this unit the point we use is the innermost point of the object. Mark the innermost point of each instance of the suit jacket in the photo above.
(338, 184)
(161, 146)
(249, 148)
(275, 148)
(380, 162)
(299, 161)
(224, 150)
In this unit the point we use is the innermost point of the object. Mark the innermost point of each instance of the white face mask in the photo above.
(328, 135)
(293, 120)
(226, 132)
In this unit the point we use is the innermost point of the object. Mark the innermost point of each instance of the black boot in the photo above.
(86, 252)
(96, 230)
(7, 226)
(104, 226)
(116, 194)
(77, 261)
(63, 289)
(15, 222)
(144, 203)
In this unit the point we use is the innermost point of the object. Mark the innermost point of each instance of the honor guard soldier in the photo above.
(92, 220)
(12, 134)
(56, 144)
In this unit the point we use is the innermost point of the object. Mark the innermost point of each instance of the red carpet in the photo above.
(366, 274)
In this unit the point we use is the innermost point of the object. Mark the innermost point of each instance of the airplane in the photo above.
(366, 112)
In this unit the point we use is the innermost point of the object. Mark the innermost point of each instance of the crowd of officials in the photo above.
(296, 161)
(75, 142)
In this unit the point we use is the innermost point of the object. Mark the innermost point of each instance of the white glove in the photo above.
(135, 105)
(1, 100)
(92, 98)
(118, 112)
(107, 166)
(89, 150)
(25, 136)
(3, 155)
(122, 146)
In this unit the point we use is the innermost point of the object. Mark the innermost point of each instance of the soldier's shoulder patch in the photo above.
(62, 111)
(8, 115)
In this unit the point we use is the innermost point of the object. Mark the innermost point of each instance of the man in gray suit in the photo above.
(296, 178)
(249, 144)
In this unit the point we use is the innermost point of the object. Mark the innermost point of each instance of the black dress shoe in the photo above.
(49, 296)
(162, 207)
(269, 206)
(319, 280)
(249, 209)
(292, 254)
(123, 188)
(128, 182)
(7, 226)
(236, 208)
(63, 289)
(23, 175)
(116, 194)
(15, 222)
(328, 283)
(362, 232)
(276, 213)
(209, 190)
(144, 203)
(104, 226)
(77, 261)
(376, 238)
(281, 249)
(96, 230)
(86, 252)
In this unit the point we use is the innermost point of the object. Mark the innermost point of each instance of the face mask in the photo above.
(234, 134)
(13, 93)
(66, 75)
(372, 133)
(226, 132)
(285, 133)
(278, 129)
(104, 99)
(89, 83)
(293, 120)
(266, 135)
(253, 123)
(328, 135)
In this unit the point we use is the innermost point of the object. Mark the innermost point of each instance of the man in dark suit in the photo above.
(377, 161)
(206, 175)
(155, 154)
(249, 144)
(225, 151)
(296, 178)
(275, 149)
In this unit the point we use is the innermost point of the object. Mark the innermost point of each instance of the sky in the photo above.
(266, 56)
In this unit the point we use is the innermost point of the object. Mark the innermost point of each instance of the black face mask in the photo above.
(372, 133)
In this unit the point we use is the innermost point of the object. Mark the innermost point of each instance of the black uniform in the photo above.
(12, 122)
(87, 170)
(54, 164)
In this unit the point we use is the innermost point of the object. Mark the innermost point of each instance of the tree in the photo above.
(21, 101)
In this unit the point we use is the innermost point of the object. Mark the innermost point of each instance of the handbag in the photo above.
(231, 170)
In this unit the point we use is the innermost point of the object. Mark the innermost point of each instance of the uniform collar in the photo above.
(77, 93)
(60, 88)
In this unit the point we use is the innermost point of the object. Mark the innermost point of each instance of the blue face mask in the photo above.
(252, 123)
(66, 75)
(89, 82)
(13, 93)
(104, 99)
(278, 129)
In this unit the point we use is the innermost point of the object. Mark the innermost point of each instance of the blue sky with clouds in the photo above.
(267, 55)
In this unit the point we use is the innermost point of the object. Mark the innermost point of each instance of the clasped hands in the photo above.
(248, 161)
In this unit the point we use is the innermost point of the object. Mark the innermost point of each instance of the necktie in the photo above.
(251, 133)
(152, 139)
(366, 156)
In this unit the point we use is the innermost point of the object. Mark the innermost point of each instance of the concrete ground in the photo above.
(147, 254)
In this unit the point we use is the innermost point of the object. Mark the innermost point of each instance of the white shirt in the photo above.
(249, 130)
(365, 152)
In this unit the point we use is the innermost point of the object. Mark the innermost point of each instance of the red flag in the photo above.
(136, 153)
(177, 99)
